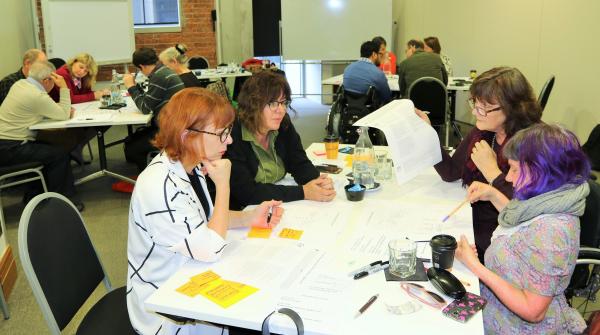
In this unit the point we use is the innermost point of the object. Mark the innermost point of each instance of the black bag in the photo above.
(592, 147)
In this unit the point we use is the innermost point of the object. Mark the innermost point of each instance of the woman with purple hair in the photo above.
(502, 103)
(534, 249)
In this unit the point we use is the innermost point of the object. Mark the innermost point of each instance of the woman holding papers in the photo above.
(266, 146)
(172, 218)
(175, 59)
(80, 75)
(534, 249)
(503, 103)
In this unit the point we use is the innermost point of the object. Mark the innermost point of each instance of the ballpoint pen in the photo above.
(455, 209)
(364, 268)
(367, 305)
(270, 214)
(372, 270)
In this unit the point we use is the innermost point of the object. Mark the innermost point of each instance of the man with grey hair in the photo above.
(30, 57)
(26, 104)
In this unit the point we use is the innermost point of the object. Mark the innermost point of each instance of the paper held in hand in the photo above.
(413, 144)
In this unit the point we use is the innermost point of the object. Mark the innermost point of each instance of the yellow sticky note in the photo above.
(291, 233)
(226, 293)
(259, 232)
(348, 159)
(205, 277)
(190, 289)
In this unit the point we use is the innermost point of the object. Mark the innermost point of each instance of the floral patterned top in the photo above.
(539, 257)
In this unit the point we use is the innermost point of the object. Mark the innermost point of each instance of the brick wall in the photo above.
(196, 33)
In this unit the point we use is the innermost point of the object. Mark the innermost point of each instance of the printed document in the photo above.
(413, 144)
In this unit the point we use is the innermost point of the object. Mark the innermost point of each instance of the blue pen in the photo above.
(364, 268)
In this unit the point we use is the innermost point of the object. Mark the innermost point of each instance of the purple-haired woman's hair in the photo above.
(550, 156)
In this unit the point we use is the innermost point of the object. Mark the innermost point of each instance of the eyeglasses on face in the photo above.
(223, 135)
(481, 111)
(273, 105)
(420, 293)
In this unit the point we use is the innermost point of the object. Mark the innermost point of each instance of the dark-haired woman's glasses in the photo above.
(223, 135)
(420, 293)
(274, 105)
(481, 111)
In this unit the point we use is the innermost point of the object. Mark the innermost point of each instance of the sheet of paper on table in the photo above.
(413, 144)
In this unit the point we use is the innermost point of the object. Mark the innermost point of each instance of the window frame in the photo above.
(159, 27)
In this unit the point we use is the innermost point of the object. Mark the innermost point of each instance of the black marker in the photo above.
(372, 270)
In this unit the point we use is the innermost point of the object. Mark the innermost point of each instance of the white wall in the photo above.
(16, 34)
(540, 37)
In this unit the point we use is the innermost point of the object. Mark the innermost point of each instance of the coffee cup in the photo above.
(332, 143)
(442, 251)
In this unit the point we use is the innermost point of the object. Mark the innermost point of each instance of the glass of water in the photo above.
(403, 257)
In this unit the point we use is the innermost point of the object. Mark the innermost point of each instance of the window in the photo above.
(156, 13)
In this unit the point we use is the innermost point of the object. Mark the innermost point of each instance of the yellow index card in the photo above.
(226, 293)
(190, 289)
(291, 233)
(348, 160)
(205, 277)
(259, 232)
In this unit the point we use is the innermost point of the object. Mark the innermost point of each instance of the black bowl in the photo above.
(355, 195)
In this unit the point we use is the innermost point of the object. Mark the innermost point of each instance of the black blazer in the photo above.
(244, 166)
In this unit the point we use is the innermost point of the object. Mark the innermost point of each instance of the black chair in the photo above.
(430, 94)
(57, 62)
(585, 282)
(63, 268)
(350, 107)
(198, 63)
(545, 92)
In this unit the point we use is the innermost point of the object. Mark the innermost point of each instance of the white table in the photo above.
(88, 114)
(394, 85)
(212, 74)
(425, 193)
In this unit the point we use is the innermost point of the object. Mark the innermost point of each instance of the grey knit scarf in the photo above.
(567, 199)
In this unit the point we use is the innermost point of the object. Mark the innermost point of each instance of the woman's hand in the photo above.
(423, 116)
(319, 189)
(259, 216)
(466, 253)
(219, 171)
(58, 80)
(479, 191)
(485, 159)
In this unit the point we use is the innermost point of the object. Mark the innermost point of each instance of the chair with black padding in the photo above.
(10, 176)
(545, 92)
(585, 282)
(352, 107)
(430, 94)
(63, 268)
(198, 63)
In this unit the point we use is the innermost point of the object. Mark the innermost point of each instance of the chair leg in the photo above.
(90, 151)
(4, 305)
(42, 180)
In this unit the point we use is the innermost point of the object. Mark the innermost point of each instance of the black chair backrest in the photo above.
(430, 94)
(199, 62)
(63, 257)
(354, 107)
(545, 92)
(57, 62)
(590, 220)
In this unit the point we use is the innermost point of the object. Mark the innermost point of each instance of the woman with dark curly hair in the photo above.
(266, 146)
(503, 103)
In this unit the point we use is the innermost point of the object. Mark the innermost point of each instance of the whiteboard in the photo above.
(332, 29)
(102, 28)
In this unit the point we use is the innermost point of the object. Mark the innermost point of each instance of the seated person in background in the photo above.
(503, 103)
(30, 56)
(534, 249)
(28, 103)
(266, 146)
(80, 75)
(388, 60)
(175, 59)
(172, 219)
(432, 44)
(363, 73)
(419, 64)
(162, 84)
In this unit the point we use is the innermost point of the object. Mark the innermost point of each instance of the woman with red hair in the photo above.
(172, 219)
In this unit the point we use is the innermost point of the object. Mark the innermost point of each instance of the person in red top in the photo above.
(388, 59)
(80, 75)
